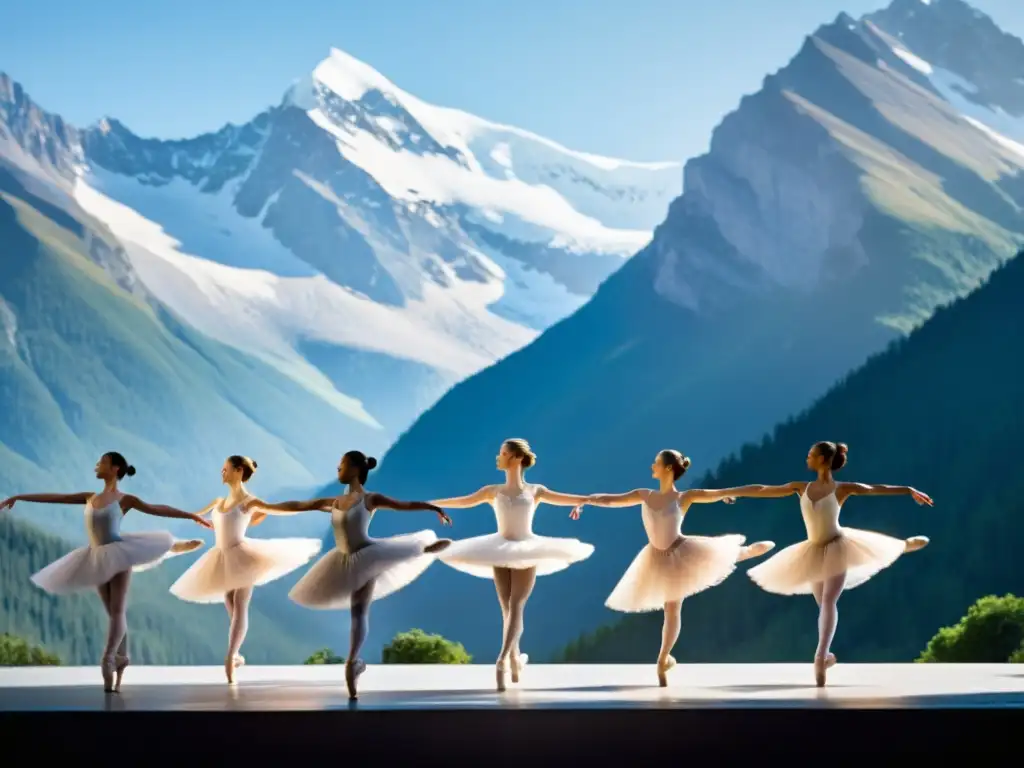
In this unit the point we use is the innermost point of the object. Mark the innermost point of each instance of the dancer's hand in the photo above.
(921, 498)
(7, 503)
(576, 512)
(202, 521)
(443, 517)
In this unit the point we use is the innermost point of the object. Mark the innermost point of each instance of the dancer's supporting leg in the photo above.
(360, 610)
(826, 594)
(238, 600)
(116, 603)
(503, 586)
(522, 581)
(669, 636)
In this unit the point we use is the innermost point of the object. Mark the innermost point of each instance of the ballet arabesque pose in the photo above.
(672, 566)
(106, 564)
(236, 564)
(833, 558)
(514, 556)
(360, 569)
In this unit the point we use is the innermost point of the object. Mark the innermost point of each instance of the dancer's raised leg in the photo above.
(239, 628)
(827, 595)
(756, 549)
(360, 610)
(669, 635)
(117, 605)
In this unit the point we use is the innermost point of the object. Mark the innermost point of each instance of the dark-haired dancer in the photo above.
(360, 569)
(833, 558)
(106, 564)
(672, 566)
(236, 564)
(514, 556)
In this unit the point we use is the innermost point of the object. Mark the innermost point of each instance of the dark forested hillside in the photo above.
(942, 411)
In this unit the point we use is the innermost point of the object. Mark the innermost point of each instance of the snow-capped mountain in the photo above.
(837, 208)
(372, 247)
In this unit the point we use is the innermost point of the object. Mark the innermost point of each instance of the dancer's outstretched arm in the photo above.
(484, 496)
(130, 502)
(628, 499)
(286, 507)
(845, 490)
(701, 496)
(380, 501)
(556, 499)
(47, 498)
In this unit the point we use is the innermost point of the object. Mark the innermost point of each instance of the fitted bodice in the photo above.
(821, 518)
(515, 513)
(103, 524)
(351, 526)
(229, 525)
(663, 525)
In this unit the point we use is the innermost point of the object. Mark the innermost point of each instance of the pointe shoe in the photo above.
(438, 546)
(229, 669)
(352, 672)
(239, 660)
(517, 665)
(107, 667)
(820, 667)
(663, 669)
(180, 547)
(915, 543)
(120, 665)
(499, 675)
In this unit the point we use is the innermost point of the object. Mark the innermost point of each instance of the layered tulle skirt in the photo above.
(391, 563)
(480, 555)
(89, 567)
(250, 563)
(860, 554)
(658, 576)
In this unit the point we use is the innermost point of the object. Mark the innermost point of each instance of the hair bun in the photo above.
(371, 462)
(253, 462)
(842, 448)
(685, 462)
(130, 471)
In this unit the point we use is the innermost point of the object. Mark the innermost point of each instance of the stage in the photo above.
(704, 704)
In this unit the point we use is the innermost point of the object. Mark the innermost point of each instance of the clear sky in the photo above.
(640, 79)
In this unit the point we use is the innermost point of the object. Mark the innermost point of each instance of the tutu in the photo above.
(861, 554)
(249, 563)
(479, 556)
(89, 567)
(392, 563)
(109, 553)
(829, 551)
(690, 565)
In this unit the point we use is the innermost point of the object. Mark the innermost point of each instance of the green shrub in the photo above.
(324, 656)
(991, 632)
(16, 652)
(1017, 657)
(417, 647)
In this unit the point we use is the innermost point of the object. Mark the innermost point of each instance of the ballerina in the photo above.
(514, 556)
(236, 564)
(833, 558)
(360, 569)
(672, 566)
(107, 562)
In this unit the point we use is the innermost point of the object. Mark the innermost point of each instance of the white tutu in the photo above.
(89, 567)
(691, 565)
(480, 555)
(249, 563)
(860, 554)
(392, 563)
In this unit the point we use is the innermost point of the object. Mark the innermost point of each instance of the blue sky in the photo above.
(641, 79)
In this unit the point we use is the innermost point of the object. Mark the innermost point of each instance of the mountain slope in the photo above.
(939, 411)
(837, 208)
(89, 366)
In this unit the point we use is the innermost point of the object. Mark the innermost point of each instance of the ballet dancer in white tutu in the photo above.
(360, 568)
(833, 558)
(235, 564)
(514, 556)
(672, 566)
(106, 564)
